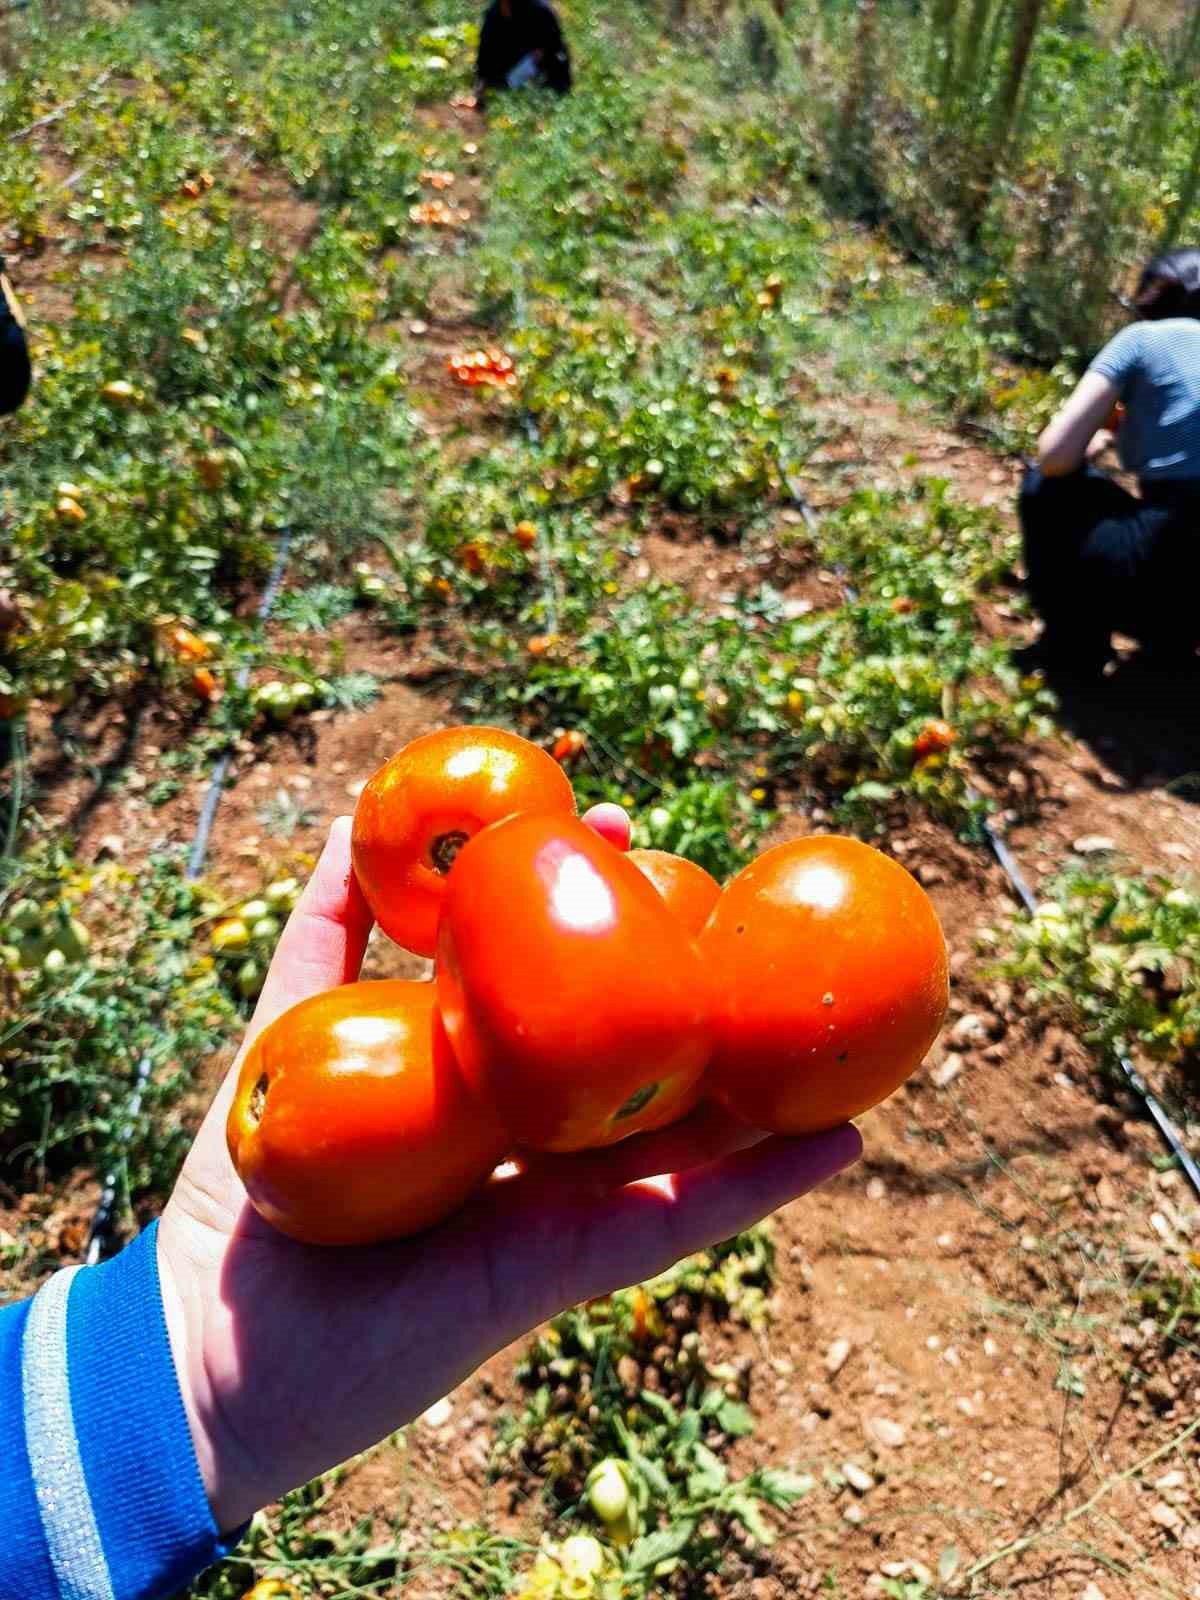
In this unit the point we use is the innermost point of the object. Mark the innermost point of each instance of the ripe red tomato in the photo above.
(569, 745)
(689, 891)
(423, 805)
(351, 1123)
(831, 983)
(576, 1003)
(934, 739)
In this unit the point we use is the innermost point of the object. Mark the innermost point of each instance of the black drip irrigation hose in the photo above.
(100, 1234)
(1009, 865)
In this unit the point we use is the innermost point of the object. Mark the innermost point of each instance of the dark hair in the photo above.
(1170, 286)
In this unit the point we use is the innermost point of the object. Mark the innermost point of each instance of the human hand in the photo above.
(1103, 439)
(292, 1358)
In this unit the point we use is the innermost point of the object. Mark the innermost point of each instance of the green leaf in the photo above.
(746, 1510)
(646, 1552)
(709, 1476)
(780, 1487)
(657, 1402)
(735, 1419)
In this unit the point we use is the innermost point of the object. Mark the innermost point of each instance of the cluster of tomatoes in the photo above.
(483, 368)
(580, 995)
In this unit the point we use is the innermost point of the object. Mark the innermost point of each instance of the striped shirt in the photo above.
(1155, 368)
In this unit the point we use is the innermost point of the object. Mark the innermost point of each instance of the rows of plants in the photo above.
(1035, 150)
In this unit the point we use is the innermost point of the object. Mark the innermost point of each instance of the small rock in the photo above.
(995, 1053)
(356, 788)
(1166, 1516)
(1179, 851)
(886, 1432)
(946, 1071)
(1170, 1481)
(876, 1189)
(853, 1513)
(968, 1032)
(1107, 1197)
(629, 1374)
(857, 1477)
(820, 1397)
(1092, 1592)
(1093, 844)
(930, 874)
(110, 844)
(965, 1405)
(438, 1414)
(836, 1356)
(1160, 1392)
(990, 1347)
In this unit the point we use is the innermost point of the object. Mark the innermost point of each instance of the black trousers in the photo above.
(1100, 560)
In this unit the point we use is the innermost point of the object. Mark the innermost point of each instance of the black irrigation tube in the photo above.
(100, 1239)
(1009, 865)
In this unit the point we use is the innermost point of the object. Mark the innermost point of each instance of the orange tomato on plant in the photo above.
(690, 892)
(421, 807)
(934, 739)
(832, 983)
(351, 1123)
(569, 745)
(577, 1005)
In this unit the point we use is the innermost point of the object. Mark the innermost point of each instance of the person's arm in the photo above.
(148, 1403)
(100, 1494)
(1078, 431)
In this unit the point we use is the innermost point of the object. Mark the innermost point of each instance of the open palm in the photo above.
(292, 1358)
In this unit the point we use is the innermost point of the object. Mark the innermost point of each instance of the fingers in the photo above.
(704, 1136)
(643, 1229)
(325, 937)
(611, 822)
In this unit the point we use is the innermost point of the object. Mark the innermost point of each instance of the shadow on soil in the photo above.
(1142, 719)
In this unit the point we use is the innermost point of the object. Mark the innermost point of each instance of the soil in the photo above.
(981, 1263)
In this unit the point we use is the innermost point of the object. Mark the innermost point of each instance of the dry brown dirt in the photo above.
(981, 1264)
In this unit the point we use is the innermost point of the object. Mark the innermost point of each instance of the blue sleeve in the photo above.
(1120, 357)
(100, 1493)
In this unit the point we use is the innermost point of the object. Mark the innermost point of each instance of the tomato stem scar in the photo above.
(444, 850)
(639, 1098)
(258, 1098)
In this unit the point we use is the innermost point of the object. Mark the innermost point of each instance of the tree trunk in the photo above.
(1129, 20)
(1004, 110)
(858, 88)
(977, 21)
(939, 64)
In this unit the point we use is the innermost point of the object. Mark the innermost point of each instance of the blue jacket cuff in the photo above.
(106, 1500)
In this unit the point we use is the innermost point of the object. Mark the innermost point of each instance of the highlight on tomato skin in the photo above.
(419, 809)
(833, 983)
(690, 891)
(577, 1005)
(351, 1123)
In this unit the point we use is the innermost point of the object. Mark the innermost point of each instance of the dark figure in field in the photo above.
(521, 43)
(15, 370)
(1098, 558)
